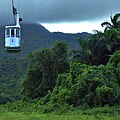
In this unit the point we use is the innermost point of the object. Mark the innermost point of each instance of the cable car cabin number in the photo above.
(12, 38)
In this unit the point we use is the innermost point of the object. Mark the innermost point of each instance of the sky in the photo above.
(68, 16)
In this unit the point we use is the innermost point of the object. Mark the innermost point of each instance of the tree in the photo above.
(60, 55)
(99, 48)
(44, 67)
(11, 73)
(92, 51)
(41, 74)
(112, 31)
(115, 22)
(83, 54)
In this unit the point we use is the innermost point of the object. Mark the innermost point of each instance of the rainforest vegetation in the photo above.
(82, 81)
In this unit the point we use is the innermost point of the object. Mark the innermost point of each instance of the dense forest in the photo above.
(87, 76)
(56, 76)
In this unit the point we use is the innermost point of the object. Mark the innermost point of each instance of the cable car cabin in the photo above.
(12, 38)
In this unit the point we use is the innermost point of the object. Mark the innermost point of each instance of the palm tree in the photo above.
(83, 54)
(115, 22)
(112, 31)
(99, 48)
(92, 51)
(96, 49)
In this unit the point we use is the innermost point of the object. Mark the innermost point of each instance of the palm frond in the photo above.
(116, 17)
(107, 24)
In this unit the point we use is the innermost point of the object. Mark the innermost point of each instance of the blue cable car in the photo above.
(12, 38)
(13, 33)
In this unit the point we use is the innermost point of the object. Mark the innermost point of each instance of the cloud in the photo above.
(54, 11)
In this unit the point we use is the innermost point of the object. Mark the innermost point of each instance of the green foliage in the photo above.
(26, 110)
(118, 72)
(77, 68)
(60, 55)
(32, 82)
(45, 65)
(115, 59)
(84, 91)
(105, 95)
(45, 100)
(90, 51)
(115, 22)
(11, 72)
(84, 53)
(61, 92)
(87, 86)
(41, 74)
(115, 62)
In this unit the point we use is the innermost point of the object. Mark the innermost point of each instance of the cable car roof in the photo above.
(13, 26)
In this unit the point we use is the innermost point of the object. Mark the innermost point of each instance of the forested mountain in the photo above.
(36, 36)
(13, 65)
(86, 76)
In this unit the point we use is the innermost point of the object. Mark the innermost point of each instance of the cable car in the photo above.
(13, 33)
(12, 38)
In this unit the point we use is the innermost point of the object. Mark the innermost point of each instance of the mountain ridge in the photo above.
(36, 36)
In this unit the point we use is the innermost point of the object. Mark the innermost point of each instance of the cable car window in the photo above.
(12, 32)
(7, 32)
(17, 33)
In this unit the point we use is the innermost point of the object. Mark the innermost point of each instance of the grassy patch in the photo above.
(39, 116)
(31, 111)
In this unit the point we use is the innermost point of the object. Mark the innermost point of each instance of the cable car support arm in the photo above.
(17, 18)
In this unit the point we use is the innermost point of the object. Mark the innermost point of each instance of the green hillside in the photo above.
(11, 72)
(14, 65)
(56, 79)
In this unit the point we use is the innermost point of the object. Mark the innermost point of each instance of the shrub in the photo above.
(87, 86)
(115, 62)
(114, 59)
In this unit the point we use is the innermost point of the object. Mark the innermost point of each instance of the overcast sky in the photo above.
(64, 13)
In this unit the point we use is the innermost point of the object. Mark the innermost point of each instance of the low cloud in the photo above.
(54, 11)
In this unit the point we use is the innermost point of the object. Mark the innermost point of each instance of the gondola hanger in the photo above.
(13, 33)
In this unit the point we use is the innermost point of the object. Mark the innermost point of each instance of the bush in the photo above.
(115, 62)
(114, 59)
(118, 72)
(105, 95)
(87, 86)
(76, 69)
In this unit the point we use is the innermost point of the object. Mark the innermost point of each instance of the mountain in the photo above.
(35, 36)
(13, 66)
